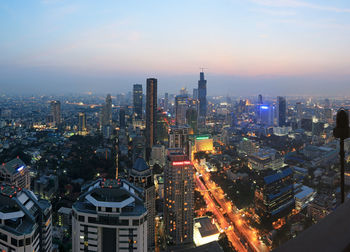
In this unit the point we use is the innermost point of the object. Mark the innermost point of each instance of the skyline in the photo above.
(282, 47)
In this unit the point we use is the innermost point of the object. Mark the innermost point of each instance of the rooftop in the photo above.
(14, 166)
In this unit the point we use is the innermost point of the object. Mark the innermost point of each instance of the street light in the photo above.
(342, 131)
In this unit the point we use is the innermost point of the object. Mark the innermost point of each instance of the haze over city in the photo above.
(282, 47)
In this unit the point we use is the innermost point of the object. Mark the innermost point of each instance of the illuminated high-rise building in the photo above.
(82, 124)
(281, 111)
(179, 198)
(181, 106)
(202, 95)
(55, 109)
(151, 112)
(178, 138)
(141, 176)
(137, 100)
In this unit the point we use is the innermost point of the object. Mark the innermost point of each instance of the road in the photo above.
(241, 228)
(225, 226)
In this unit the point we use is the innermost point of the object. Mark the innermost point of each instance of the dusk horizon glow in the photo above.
(288, 46)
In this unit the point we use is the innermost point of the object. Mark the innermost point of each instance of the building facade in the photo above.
(151, 112)
(25, 221)
(137, 100)
(109, 216)
(178, 198)
(15, 173)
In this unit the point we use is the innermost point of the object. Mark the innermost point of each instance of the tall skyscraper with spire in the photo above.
(151, 112)
(202, 95)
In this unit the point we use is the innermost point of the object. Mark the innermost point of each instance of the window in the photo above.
(135, 222)
(27, 241)
(108, 209)
(13, 242)
(81, 218)
(3, 237)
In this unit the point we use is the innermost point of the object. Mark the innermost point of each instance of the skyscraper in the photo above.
(202, 95)
(137, 100)
(82, 124)
(109, 216)
(179, 197)
(151, 112)
(55, 109)
(141, 176)
(260, 99)
(166, 102)
(281, 111)
(195, 94)
(178, 138)
(181, 106)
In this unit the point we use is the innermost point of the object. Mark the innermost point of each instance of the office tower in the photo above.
(281, 111)
(266, 114)
(181, 106)
(151, 112)
(122, 118)
(192, 115)
(178, 138)
(82, 124)
(25, 221)
(109, 216)
(202, 95)
(137, 100)
(328, 114)
(274, 195)
(166, 102)
(183, 91)
(178, 194)
(260, 99)
(55, 109)
(158, 155)
(195, 94)
(141, 176)
(162, 126)
(15, 173)
(299, 110)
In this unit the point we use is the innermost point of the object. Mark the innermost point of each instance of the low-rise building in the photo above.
(15, 173)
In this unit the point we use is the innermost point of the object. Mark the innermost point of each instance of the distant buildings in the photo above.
(181, 106)
(109, 216)
(151, 112)
(274, 195)
(15, 173)
(106, 117)
(26, 221)
(178, 198)
(137, 100)
(46, 186)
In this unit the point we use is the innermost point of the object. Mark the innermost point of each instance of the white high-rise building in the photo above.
(15, 173)
(25, 221)
(109, 216)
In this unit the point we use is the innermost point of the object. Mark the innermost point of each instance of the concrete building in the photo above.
(158, 155)
(178, 198)
(137, 101)
(65, 217)
(25, 221)
(151, 112)
(55, 112)
(15, 173)
(178, 138)
(46, 186)
(181, 106)
(205, 231)
(141, 176)
(303, 197)
(265, 158)
(109, 216)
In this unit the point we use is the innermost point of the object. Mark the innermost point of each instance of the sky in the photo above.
(273, 47)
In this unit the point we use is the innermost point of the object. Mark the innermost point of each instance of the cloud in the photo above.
(300, 4)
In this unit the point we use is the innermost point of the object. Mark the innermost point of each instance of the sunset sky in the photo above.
(286, 47)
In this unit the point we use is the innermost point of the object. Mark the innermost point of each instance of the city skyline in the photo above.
(287, 47)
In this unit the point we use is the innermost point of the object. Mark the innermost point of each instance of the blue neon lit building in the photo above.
(274, 196)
